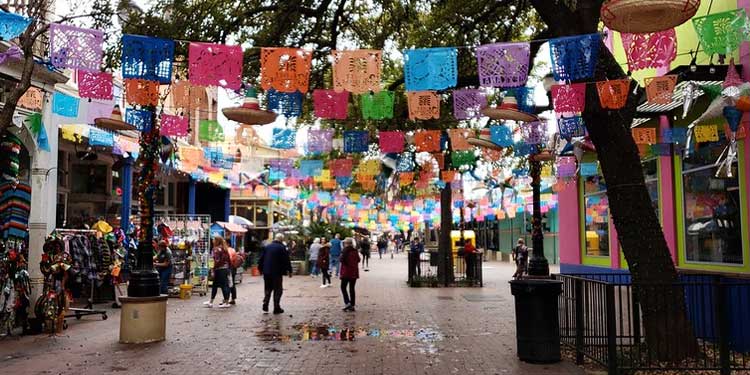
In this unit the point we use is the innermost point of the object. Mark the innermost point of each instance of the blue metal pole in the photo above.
(227, 205)
(127, 187)
(191, 196)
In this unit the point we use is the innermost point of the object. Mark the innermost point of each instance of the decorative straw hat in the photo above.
(647, 16)
(484, 140)
(113, 122)
(250, 112)
(508, 110)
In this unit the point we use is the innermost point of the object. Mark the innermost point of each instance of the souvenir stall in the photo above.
(189, 241)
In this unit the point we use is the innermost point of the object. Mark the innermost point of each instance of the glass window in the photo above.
(596, 220)
(89, 179)
(712, 208)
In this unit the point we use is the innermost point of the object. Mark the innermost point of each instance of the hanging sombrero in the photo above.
(484, 140)
(508, 110)
(114, 122)
(543, 156)
(639, 16)
(250, 112)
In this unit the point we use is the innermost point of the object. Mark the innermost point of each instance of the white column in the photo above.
(43, 199)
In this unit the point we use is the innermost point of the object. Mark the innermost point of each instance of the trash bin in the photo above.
(537, 327)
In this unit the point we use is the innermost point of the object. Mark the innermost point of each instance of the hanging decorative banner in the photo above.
(357, 71)
(523, 149)
(613, 94)
(574, 57)
(659, 89)
(344, 181)
(356, 141)
(589, 169)
(142, 92)
(65, 105)
(174, 126)
(99, 137)
(362, 177)
(491, 154)
(341, 167)
(430, 68)
(284, 138)
(215, 65)
(285, 69)
(187, 96)
(147, 58)
(706, 133)
(95, 85)
(566, 166)
(644, 136)
(32, 99)
(534, 133)
(139, 118)
(285, 165)
(440, 159)
(319, 140)
(75, 48)
(447, 176)
(95, 110)
(369, 167)
(391, 141)
(210, 131)
(661, 149)
(569, 99)
(503, 64)
(377, 106)
(310, 168)
(459, 139)
(459, 158)
(524, 99)
(427, 140)
(12, 25)
(406, 178)
(501, 135)
(468, 103)
(285, 104)
(368, 185)
(405, 162)
(570, 127)
(674, 135)
(651, 50)
(423, 105)
(330, 104)
(721, 33)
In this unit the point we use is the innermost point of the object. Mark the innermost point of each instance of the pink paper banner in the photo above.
(174, 126)
(391, 141)
(215, 65)
(95, 85)
(569, 99)
(330, 104)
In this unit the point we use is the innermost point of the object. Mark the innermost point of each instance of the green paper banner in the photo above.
(377, 106)
(210, 131)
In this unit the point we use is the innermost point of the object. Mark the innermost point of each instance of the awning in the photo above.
(232, 227)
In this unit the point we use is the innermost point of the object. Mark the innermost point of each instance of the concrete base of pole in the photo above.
(143, 319)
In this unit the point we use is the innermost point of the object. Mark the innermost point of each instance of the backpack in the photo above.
(235, 259)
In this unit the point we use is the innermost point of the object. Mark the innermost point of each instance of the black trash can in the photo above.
(537, 327)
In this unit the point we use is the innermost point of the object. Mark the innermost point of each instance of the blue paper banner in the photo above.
(284, 103)
(311, 168)
(589, 169)
(12, 25)
(139, 118)
(65, 105)
(501, 135)
(356, 141)
(284, 138)
(98, 137)
(430, 68)
(344, 182)
(147, 58)
(574, 57)
(570, 127)
(405, 162)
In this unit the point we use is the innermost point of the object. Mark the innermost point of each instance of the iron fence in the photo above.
(424, 270)
(601, 319)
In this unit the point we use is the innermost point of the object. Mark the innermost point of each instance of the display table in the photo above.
(143, 319)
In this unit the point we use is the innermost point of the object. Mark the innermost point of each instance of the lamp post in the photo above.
(538, 264)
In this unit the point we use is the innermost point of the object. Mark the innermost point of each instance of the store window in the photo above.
(89, 179)
(712, 208)
(596, 219)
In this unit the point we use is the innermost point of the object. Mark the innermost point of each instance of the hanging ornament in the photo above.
(651, 50)
(613, 94)
(659, 90)
(569, 99)
(503, 64)
(729, 155)
(721, 33)
(638, 16)
(357, 71)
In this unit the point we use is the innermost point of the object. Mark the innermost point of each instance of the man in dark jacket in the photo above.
(274, 263)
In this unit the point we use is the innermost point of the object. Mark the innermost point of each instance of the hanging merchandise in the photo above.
(613, 94)
(502, 135)
(341, 167)
(356, 141)
(569, 99)
(377, 106)
(644, 136)
(427, 140)
(286, 70)
(75, 48)
(357, 71)
(12, 25)
(32, 99)
(284, 138)
(652, 50)
(391, 141)
(65, 105)
(140, 118)
(570, 127)
(430, 68)
(285, 104)
(659, 90)
(215, 65)
(147, 58)
(319, 140)
(638, 16)
(721, 33)
(423, 105)
(330, 104)
(142, 92)
(459, 139)
(468, 103)
(95, 85)
(574, 57)
(174, 126)
(503, 64)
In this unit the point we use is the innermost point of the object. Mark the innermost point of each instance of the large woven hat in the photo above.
(647, 16)
(508, 110)
(114, 122)
(250, 112)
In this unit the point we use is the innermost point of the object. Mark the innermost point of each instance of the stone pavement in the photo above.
(396, 330)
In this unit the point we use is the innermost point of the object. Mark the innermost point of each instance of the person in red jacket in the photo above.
(349, 273)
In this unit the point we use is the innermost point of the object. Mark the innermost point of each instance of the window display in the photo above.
(596, 220)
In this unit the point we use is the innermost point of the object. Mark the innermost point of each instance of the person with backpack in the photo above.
(221, 272)
(521, 257)
(236, 260)
(364, 249)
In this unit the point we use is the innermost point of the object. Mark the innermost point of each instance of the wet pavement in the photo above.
(395, 330)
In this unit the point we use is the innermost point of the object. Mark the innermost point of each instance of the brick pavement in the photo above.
(396, 329)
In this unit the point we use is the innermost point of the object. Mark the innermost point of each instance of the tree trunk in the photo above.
(445, 264)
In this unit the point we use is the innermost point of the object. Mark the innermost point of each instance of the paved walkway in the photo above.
(396, 330)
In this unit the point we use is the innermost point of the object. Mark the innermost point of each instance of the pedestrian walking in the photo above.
(349, 273)
(313, 257)
(521, 257)
(236, 259)
(273, 265)
(324, 258)
(364, 249)
(163, 265)
(416, 248)
(221, 272)
(336, 254)
(382, 244)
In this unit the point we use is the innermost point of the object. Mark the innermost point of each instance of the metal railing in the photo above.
(423, 270)
(601, 320)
